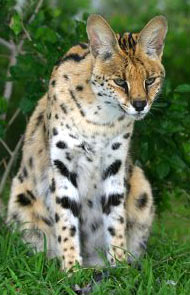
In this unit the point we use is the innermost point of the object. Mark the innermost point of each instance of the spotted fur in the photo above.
(76, 184)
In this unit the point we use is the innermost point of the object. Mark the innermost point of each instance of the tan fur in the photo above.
(79, 87)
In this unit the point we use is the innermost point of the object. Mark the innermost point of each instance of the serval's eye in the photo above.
(120, 83)
(149, 81)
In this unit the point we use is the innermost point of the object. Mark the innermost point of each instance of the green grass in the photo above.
(164, 270)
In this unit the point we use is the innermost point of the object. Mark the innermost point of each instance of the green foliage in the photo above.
(162, 141)
(16, 24)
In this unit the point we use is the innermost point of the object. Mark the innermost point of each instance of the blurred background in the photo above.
(35, 34)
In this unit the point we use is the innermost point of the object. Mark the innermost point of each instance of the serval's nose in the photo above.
(139, 105)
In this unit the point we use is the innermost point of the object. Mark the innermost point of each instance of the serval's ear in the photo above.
(102, 38)
(151, 38)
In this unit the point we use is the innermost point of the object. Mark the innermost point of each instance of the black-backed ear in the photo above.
(102, 38)
(151, 38)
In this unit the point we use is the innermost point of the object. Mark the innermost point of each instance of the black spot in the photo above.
(112, 169)
(64, 108)
(121, 219)
(130, 170)
(76, 102)
(99, 94)
(116, 145)
(55, 132)
(15, 216)
(20, 177)
(25, 172)
(113, 200)
(107, 56)
(95, 226)
(47, 221)
(142, 200)
(89, 159)
(129, 224)
(72, 136)
(79, 88)
(30, 162)
(52, 186)
(75, 57)
(31, 195)
(64, 228)
(66, 203)
(90, 203)
(72, 231)
(49, 116)
(23, 200)
(61, 145)
(111, 231)
(39, 120)
(65, 239)
(72, 176)
(143, 245)
(68, 156)
(128, 187)
(56, 116)
(57, 218)
(54, 97)
(59, 239)
(66, 77)
(53, 82)
(44, 127)
(103, 201)
(83, 45)
(121, 118)
(126, 135)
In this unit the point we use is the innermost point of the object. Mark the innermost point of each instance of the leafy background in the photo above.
(31, 43)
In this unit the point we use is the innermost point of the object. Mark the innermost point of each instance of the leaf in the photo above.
(46, 34)
(16, 24)
(162, 169)
(3, 105)
(183, 88)
(26, 105)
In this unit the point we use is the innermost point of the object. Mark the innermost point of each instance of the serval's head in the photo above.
(127, 69)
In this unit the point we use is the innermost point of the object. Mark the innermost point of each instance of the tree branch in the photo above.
(10, 163)
(15, 50)
(6, 146)
(6, 43)
(9, 84)
(36, 10)
(38, 6)
(14, 116)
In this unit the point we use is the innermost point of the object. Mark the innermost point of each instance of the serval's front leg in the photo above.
(67, 210)
(113, 203)
(64, 188)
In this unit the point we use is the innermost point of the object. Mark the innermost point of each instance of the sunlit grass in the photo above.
(164, 270)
